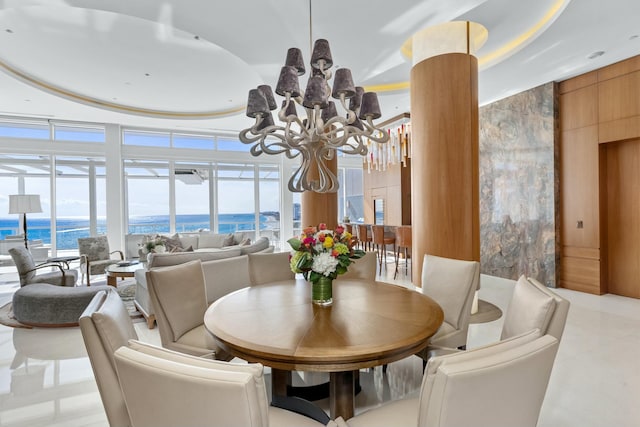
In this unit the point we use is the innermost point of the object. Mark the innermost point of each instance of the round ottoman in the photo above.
(45, 305)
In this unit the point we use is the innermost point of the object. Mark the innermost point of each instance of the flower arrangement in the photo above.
(323, 253)
(153, 245)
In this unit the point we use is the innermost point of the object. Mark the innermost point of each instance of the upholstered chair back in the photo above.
(94, 248)
(195, 391)
(502, 385)
(452, 284)
(190, 392)
(225, 276)
(179, 299)
(269, 267)
(106, 326)
(362, 269)
(24, 264)
(534, 306)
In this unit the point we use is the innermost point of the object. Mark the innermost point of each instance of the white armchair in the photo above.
(452, 284)
(503, 384)
(191, 391)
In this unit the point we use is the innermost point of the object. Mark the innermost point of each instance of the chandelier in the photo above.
(323, 132)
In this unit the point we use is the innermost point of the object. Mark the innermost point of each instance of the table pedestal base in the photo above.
(341, 389)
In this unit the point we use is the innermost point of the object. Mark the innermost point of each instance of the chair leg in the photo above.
(397, 260)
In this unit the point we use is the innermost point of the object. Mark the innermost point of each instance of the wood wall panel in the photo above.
(614, 199)
(619, 130)
(579, 108)
(579, 182)
(623, 225)
(618, 69)
(393, 185)
(578, 82)
(580, 274)
(619, 98)
(576, 252)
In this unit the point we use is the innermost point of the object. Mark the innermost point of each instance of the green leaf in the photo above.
(294, 243)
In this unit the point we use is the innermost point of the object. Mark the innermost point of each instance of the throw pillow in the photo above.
(172, 243)
(228, 240)
(245, 242)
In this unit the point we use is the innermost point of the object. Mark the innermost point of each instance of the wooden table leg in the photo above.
(280, 379)
(341, 392)
(112, 281)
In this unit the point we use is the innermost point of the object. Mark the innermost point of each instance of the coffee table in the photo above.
(114, 271)
(369, 324)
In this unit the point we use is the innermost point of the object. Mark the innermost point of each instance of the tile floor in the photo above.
(46, 378)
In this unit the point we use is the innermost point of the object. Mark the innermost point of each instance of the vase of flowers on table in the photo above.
(321, 255)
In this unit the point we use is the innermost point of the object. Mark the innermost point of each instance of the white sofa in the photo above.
(155, 260)
(203, 241)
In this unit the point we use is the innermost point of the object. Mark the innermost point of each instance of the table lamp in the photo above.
(24, 204)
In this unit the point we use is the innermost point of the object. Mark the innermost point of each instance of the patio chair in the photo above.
(95, 256)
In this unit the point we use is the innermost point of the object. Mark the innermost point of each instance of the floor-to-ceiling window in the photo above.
(164, 182)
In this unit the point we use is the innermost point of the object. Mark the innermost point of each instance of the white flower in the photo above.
(324, 263)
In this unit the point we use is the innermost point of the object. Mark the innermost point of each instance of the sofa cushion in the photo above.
(211, 240)
(260, 245)
(189, 240)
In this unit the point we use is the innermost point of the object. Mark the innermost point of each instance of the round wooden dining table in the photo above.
(368, 324)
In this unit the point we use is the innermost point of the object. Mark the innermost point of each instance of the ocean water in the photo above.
(69, 230)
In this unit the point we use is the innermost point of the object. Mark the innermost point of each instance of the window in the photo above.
(146, 139)
(193, 142)
(78, 133)
(24, 130)
(192, 196)
(147, 196)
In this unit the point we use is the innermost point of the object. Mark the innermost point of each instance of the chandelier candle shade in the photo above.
(321, 255)
(324, 131)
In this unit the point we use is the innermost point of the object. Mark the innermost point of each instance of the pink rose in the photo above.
(322, 226)
(321, 237)
(339, 229)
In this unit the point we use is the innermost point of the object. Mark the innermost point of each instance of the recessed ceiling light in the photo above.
(147, 74)
(9, 30)
(633, 37)
(196, 37)
(595, 54)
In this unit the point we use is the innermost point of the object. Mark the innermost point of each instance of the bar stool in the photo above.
(380, 241)
(403, 241)
(364, 237)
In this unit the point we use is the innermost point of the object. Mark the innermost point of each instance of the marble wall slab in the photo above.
(519, 184)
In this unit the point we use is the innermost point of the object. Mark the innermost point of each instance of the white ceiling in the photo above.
(188, 64)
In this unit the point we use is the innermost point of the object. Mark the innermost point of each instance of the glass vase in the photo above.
(322, 291)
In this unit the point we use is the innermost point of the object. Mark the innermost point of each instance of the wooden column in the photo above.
(320, 207)
(444, 173)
